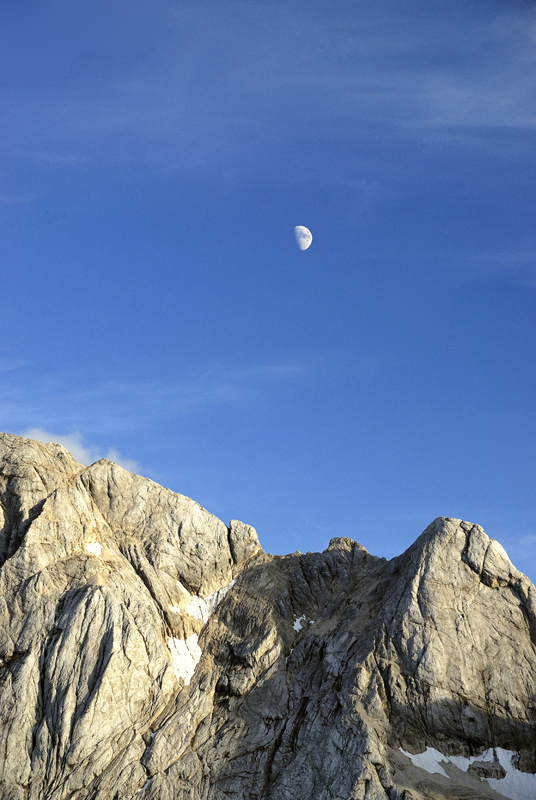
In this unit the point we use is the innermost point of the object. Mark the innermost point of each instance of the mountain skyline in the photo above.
(156, 309)
(148, 648)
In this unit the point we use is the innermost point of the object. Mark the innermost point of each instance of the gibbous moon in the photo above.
(304, 237)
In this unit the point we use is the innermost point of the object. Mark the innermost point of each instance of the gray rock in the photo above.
(148, 650)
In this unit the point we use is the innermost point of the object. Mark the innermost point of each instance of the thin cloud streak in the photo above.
(12, 364)
(364, 78)
(521, 264)
(118, 406)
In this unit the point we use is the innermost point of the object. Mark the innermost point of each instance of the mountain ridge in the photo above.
(149, 650)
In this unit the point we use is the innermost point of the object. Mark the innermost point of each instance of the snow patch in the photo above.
(429, 760)
(145, 786)
(464, 763)
(94, 548)
(516, 785)
(298, 623)
(186, 654)
(203, 607)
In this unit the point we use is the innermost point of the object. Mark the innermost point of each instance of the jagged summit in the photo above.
(149, 650)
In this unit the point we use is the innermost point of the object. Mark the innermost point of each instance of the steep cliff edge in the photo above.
(148, 650)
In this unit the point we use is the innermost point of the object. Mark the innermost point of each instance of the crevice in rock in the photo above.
(269, 763)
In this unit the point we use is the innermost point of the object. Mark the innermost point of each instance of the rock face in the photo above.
(148, 650)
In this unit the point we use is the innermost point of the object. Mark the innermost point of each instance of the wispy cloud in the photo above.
(199, 389)
(312, 69)
(82, 452)
(521, 264)
(104, 410)
(56, 409)
(10, 364)
(14, 198)
(51, 157)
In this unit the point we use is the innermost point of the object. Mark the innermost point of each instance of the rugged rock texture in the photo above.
(148, 650)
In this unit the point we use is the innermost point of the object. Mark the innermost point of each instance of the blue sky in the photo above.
(156, 309)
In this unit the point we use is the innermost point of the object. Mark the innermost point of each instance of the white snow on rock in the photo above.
(203, 607)
(516, 785)
(429, 760)
(94, 548)
(298, 623)
(464, 763)
(186, 654)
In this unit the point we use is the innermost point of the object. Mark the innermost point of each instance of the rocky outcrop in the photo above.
(148, 650)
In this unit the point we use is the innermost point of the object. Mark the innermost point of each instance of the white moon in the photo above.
(304, 237)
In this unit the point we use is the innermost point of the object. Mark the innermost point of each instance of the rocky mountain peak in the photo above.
(148, 650)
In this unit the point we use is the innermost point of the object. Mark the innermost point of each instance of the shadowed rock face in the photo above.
(148, 650)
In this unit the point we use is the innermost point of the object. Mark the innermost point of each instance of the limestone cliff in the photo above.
(149, 651)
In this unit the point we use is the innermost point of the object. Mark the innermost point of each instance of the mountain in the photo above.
(149, 651)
